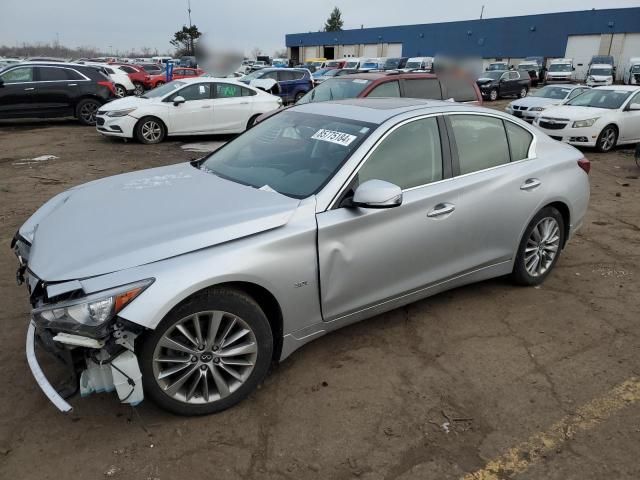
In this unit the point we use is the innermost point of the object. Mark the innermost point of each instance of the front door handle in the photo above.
(530, 184)
(29, 89)
(441, 209)
(244, 103)
(206, 106)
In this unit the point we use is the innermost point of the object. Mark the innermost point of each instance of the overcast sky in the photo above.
(242, 25)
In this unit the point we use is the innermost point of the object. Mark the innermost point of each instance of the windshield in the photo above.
(496, 66)
(413, 65)
(332, 72)
(528, 66)
(560, 67)
(351, 64)
(557, 93)
(635, 69)
(164, 89)
(335, 89)
(322, 71)
(392, 63)
(600, 98)
(493, 75)
(254, 75)
(605, 72)
(293, 153)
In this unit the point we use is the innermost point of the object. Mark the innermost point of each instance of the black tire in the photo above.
(252, 121)
(493, 95)
(221, 299)
(298, 96)
(121, 92)
(143, 128)
(520, 275)
(86, 110)
(138, 89)
(607, 139)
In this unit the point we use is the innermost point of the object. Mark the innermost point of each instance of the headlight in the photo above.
(120, 113)
(537, 109)
(91, 313)
(585, 123)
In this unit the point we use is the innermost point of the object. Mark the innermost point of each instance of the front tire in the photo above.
(86, 110)
(207, 354)
(150, 130)
(607, 139)
(539, 248)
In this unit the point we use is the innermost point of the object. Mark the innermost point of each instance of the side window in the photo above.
(73, 75)
(460, 89)
(298, 75)
(285, 75)
(574, 93)
(247, 92)
(423, 88)
(52, 74)
(18, 75)
(519, 141)
(198, 91)
(228, 90)
(127, 69)
(635, 99)
(272, 75)
(387, 89)
(505, 76)
(481, 142)
(514, 76)
(409, 157)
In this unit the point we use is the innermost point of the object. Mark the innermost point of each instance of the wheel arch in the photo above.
(166, 129)
(563, 208)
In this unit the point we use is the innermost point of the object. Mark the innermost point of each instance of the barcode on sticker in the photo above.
(333, 136)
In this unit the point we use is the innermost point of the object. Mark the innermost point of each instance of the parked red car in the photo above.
(138, 77)
(156, 80)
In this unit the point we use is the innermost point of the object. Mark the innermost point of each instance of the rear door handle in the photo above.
(206, 106)
(29, 89)
(244, 103)
(530, 184)
(441, 209)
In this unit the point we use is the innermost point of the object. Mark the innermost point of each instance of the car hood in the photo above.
(142, 217)
(575, 113)
(128, 102)
(485, 81)
(536, 102)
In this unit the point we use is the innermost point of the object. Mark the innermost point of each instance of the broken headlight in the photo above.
(89, 314)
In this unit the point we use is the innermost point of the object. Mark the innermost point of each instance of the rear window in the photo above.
(460, 89)
(336, 89)
(52, 74)
(387, 89)
(423, 88)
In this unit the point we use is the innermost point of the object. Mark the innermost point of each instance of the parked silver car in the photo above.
(183, 283)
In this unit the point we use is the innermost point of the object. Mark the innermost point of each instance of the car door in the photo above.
(231, 110)
(287, 84)
(17, 92)
(55, 90)
(500, 187)
(196, 114)
(371, 256)
(630, 121)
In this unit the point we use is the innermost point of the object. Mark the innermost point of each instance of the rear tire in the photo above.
(252, 121)
(493, 95)
(139, 89)
(523, 93)
(150, 130)
(86, 111)
(298, 96)
(607, 139)
(218, 379)
(539, 247)
(159, 84)
(121, 92)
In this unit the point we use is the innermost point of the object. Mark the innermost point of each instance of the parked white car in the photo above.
(190, 106)
(530, 107)
(600, 74)
(603, 117)
(123, 84)
(419, 63)
(560, 70)
(631, 74)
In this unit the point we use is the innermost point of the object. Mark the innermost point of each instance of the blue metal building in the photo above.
(509, 37)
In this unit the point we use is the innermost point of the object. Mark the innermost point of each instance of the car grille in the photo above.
(99, 121)
(516, 107)
(553, 123)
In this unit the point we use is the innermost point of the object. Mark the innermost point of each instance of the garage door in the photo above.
(630, 48)
(370, 50)
(581, 48)
(394, 50)
(310, 52)
(349, 51)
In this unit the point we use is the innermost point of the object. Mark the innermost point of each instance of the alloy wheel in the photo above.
(523, 93)
(542, 246)
(493, 95)
(88, 112)
(205, 357)
(120, 91)
(139, 89)
(608, 139)
(151, 131)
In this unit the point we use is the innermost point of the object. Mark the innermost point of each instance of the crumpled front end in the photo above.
(83, 333)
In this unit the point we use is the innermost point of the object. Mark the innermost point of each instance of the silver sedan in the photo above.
(183, 283)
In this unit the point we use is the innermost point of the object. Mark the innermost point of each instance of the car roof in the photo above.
(379, 110)
(51, 64)
(626, 88)
(378, 75)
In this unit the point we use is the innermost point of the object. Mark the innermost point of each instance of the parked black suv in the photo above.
(47, 90)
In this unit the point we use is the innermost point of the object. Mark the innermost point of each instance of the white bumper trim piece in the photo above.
(44, 384)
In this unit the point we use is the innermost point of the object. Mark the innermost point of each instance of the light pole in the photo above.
(190, 26)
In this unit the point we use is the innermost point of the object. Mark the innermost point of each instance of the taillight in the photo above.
(109, 85)
(585, 165)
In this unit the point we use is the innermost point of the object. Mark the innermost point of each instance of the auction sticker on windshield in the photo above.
(332, 136)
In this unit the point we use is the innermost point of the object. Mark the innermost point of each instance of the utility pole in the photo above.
(190, 26)
(481, 12)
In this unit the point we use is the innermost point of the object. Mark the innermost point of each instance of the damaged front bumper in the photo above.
(99, 369)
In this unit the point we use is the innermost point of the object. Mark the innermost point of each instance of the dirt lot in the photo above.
(490, 380)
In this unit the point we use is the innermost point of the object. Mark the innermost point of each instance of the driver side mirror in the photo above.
(178, 100)
(377, 194)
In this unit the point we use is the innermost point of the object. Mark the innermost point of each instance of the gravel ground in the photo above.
(489, 379)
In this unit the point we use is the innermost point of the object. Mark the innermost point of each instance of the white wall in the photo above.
(581, 48)
(370, 50)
